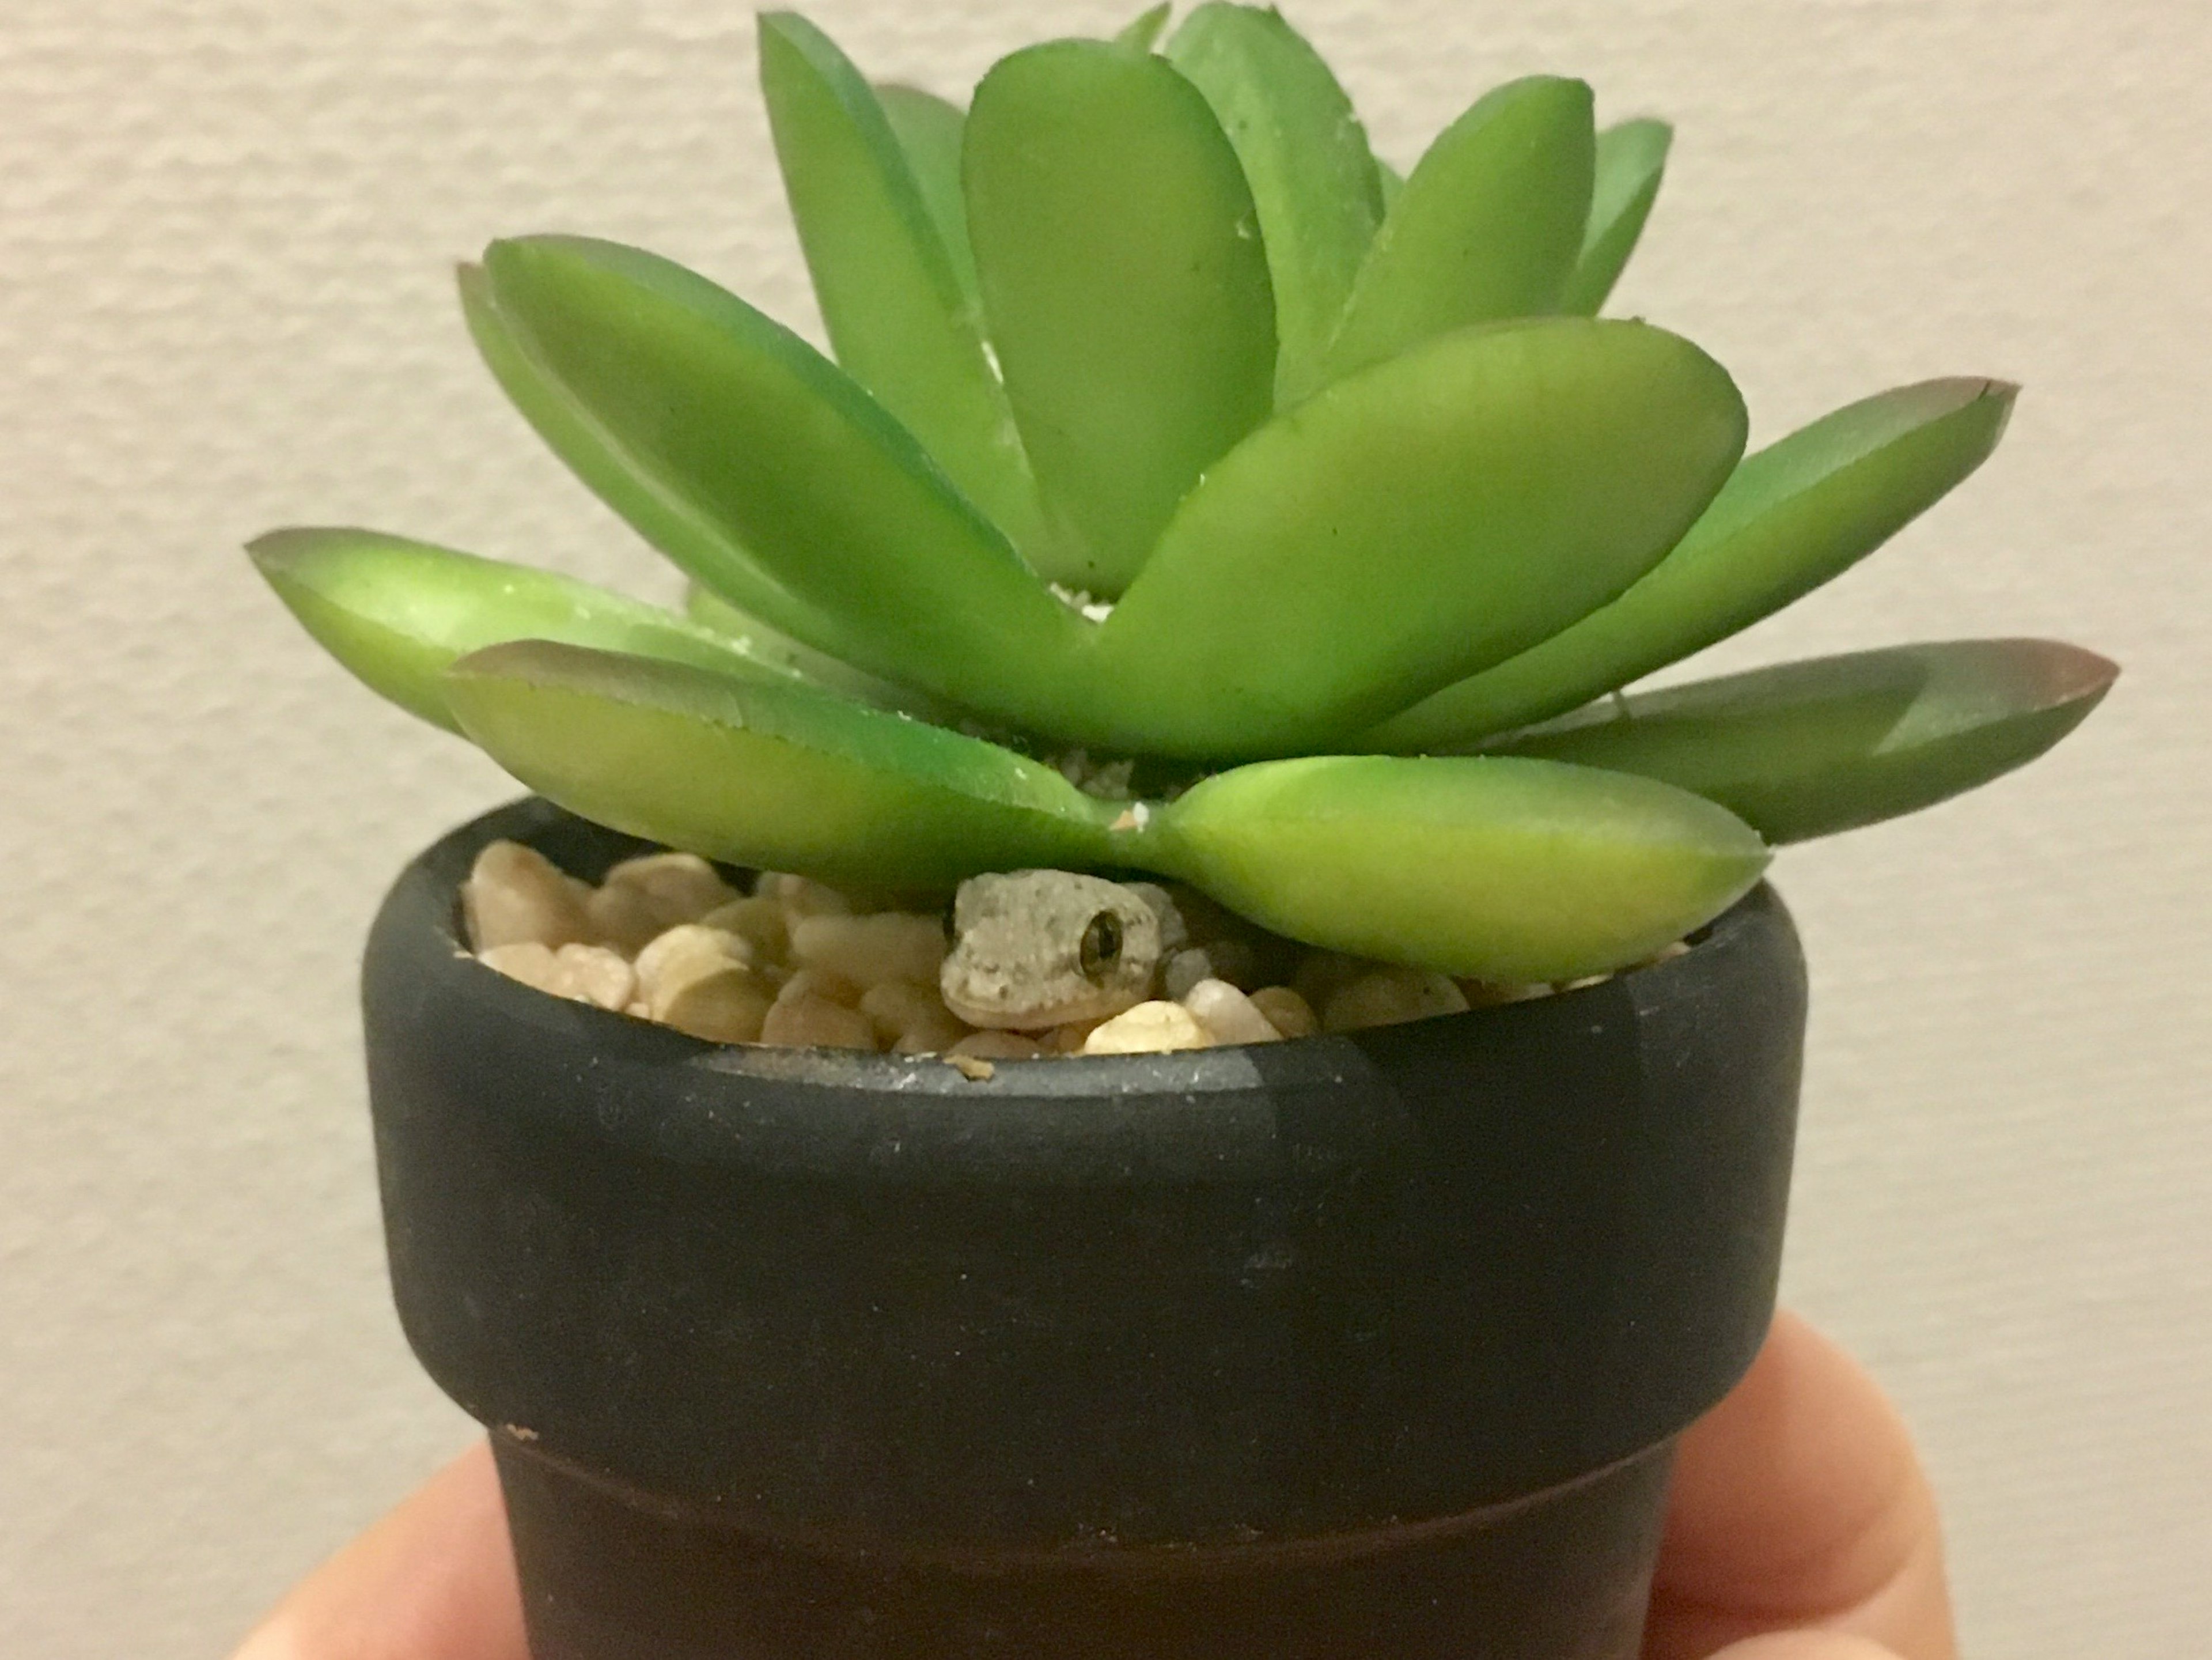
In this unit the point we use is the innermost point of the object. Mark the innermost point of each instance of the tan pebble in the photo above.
(1233, 960)
(803, 898)
(684, 885)
(1322, 974)
(687, 953)
(974, 1069)
(515, 895)
(525, 960)
(867, 949)
(815, 1021)
(758, 921)
(1582, 984)
(1289, 1013)
(896, 1005)
(996, 1046)
(1147, 1028)
(820, 982)
(1666, 954)
(729, 1008)
(624, 919)
(1228, 1015)
(1390, 996)
(594, 975)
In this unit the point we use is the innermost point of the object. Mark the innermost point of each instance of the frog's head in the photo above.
(1038, 948)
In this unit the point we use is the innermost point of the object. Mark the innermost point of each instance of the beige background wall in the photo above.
(225, 227)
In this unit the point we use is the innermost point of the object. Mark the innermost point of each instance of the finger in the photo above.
(1806, 1646)
(1799, 1503)
(433, 1580)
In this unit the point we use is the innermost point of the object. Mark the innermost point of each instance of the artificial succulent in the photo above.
(1167, 425)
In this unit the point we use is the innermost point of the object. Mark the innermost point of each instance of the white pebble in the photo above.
(820, 982)
(594, 975)
(723, 1008)
(514, 895)
(1492, 993)
(1228, 1014)
(1390, 996)
(526, 960)
(801, 897)
(931, 1036)
(1286, 1012)
(625, 919)
(869, 950)
(898, 1006)
(1147, 1028)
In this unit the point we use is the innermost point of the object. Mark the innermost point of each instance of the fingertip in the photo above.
(1806, 1645)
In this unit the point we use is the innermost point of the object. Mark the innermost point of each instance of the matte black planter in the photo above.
(1371, 1347)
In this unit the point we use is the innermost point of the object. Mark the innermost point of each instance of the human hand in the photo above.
(1801, 1527)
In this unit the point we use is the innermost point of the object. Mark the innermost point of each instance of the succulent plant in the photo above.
(1168, 425)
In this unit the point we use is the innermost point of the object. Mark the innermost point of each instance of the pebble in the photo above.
(1175, 932)
(931, 1036)
(1147, 1028)
(683, 883)
(1494, 993)
(594, 975)
(758, 921)
(526, 960)
(700, 980)
(869, 950)
(1321, 974)
(898, 1006)
(686, 952)
(812, 1021)
(723, 1008)
(801, 897)
(1286, 1012)
(1388, 996)
(821, 983)
(1228, 1015)
(514, 895)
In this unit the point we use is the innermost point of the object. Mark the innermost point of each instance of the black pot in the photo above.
(1371, 1345)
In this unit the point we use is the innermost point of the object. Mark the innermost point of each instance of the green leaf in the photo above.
(1305, 155)
(753, 430)
(1808, 748)
(1512, 870)
(705, 549)
(931, 131)
(782, 777)
(1436, 512)
(1144, 33)
(720, 618)
(396, 612)
(1795, 514)
(1126, 286)
(1631, 160)
(1390, 182)
(1489, 226)
(899, 320)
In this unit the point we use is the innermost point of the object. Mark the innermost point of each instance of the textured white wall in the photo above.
(224, 305)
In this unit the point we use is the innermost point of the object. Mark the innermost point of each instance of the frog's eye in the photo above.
(1102, 945)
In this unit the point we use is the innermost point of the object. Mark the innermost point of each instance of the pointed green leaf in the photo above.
(1795, 514)
(1489, 226)
(1390, 182)
(396, 612)
(1126, 286)
(1305, 155)
(753, 430)
(721, 618)
(931, 131)
(899, 320)
(671, 523)
(1631, 160)
(1143, 32)
(782, 777)
(1446, 509)
(1808, 748)
(1512, 870)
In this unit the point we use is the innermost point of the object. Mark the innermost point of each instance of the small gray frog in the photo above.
(1038, 948)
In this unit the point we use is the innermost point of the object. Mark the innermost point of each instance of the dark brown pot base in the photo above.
(1564, 1573)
